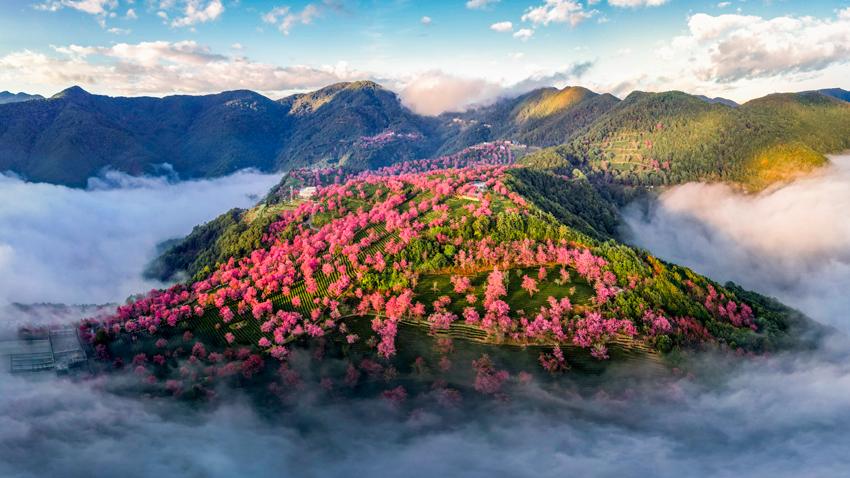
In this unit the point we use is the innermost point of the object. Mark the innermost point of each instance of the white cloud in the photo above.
(131, 14)
(90, 246)
(792, 243)
(426, 20)
(161, 67)
(727, 48)
(502, 27)
(636, 3)
(723, 4)
(787, 413)
(92, 7)
(197, 11)
(558, 11)
(286, 18)
(435, 92)
(479, 4)
(524, 34)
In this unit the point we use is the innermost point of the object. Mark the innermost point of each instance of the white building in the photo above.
(307, 192)
(480, 187)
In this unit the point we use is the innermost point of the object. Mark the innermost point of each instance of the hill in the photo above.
(652, 139)
(8, 97)
(836, 93)
(400, 273)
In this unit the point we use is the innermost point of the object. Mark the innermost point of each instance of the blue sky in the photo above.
(437, 54)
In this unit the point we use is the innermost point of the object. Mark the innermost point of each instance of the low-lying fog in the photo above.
(90, 246)
(785, 416)
(792, 242)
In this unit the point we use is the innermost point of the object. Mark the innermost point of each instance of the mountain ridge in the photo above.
(9, 97)
(75, 135)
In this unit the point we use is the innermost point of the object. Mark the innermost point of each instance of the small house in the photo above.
(307, 192)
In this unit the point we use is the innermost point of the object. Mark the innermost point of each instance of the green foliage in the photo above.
(652, 139)
(575, 203)
(543, 117)
(210, 244)
(648, 139)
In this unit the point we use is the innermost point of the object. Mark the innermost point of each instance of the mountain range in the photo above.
(8, 97)
(646, 138)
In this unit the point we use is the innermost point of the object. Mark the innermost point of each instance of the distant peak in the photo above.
(550, 101)
(364, 85)
(72, 92)
(351, 85)
(838, 93)
(718, 100)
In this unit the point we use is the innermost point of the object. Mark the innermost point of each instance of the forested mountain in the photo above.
(357, 125)
(646, 139)
(8, 97)
(673, 137)
(73, 135)
(543, 117)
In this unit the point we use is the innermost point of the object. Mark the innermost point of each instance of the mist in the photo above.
(90, 246)
(784, 415)
(791, 242)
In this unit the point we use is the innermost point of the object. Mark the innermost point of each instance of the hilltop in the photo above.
(647, 139)
(415, 266)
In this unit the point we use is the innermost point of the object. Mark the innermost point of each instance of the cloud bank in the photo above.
(90, 246)
(792, 242)
(732, 47)
(163, 67)
(435, 92)
(741, 426)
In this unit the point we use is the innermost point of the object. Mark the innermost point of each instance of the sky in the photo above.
(438, 55)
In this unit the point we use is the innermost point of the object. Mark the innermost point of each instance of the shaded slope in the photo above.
(356, 125)
(839, 93)
(74, 135)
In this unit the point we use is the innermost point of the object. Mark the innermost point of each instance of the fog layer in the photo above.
(59, 244)
(784, 417)
(792, 242)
